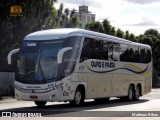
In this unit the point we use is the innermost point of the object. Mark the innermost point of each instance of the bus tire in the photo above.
(137, 93)
(130, 96)
(40, 103)
(78, 98)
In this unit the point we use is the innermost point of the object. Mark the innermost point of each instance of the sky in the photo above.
(136, 16)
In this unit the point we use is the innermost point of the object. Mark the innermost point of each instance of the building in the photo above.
(85, 15)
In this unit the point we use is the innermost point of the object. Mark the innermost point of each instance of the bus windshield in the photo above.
(38, 60)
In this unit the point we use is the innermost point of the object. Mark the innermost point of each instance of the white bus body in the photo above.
(55, 64)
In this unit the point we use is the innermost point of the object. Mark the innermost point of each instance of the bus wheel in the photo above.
(130, 93)
(40, 103)
(78, 98)
(137, 93)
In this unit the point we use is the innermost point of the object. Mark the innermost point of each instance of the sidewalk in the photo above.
(6, 99)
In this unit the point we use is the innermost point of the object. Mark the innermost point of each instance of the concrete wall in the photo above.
(7, 83)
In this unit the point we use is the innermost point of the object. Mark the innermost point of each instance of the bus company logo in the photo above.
(16, 10)
(100, 64)
(17, 114)
(6, 114)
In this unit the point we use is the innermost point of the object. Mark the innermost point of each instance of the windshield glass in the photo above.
(27, 60)
(38, 60)
(47, 65)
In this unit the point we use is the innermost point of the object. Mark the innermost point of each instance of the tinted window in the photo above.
(92, 49)
(134, 54)
(148, 56)
(98, 46)
(105, 50)
(116, 51)
(110, 50)
(145, 55)
(129, 53)
(87, 49)
(100, 49)
(124, 53)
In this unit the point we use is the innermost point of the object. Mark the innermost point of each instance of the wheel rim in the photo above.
(78, 97)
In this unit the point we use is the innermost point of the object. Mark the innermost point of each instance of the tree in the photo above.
(156, 55)
(147, 40)
(113, 31)
(106, 26)
(156, 62)
(95, 26)
(72, 13)
(127, 35)
(67, 19)
(66, 11)
(74, 22)
(132, 37)
(59, 19)
(120, 33)
(153, 32)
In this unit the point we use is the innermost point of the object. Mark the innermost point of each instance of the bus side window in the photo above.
(114, 51)
(145, 55)
(136, 54)
(98, 49)
(110, 50)
(124, 53)
(88, 51)
(142, 58)
(105, 50)
(148, 56)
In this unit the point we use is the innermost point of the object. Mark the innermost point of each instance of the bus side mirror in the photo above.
(60, 54)
(9, 57)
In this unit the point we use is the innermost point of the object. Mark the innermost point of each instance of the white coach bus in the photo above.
(74, 65)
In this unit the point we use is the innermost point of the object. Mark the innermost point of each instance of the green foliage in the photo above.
(95, 26)
(113, 31)
(153, 32)
(156, 55)
(67, 19)
(132, 37)
(127, 35)
(120, 33)
(147, 40)
(107, 26)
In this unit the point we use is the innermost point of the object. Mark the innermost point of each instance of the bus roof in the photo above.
(52, 34)
(64, 32)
